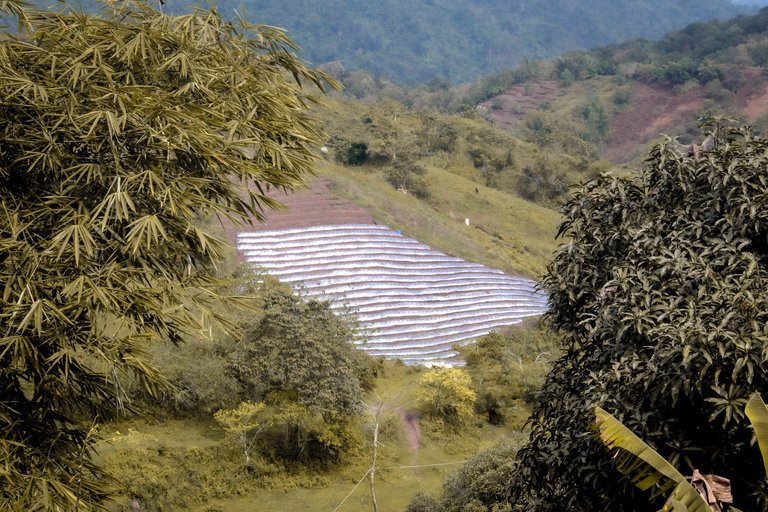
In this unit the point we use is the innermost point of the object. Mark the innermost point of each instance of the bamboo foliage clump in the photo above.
(118, 134)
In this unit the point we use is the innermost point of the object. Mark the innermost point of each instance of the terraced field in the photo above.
(412, 302)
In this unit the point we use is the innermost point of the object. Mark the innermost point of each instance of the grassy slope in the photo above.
(505, 231)
(193, 461)
(526, 230)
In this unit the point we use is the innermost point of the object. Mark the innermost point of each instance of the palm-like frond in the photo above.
(645, 467)
(757, 413)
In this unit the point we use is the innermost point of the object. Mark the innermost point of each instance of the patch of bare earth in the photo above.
(752, 97)
(653, 111)
(656, 110)
(318, 205)
(513, 105)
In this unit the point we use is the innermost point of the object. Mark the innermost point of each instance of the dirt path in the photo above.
(411, 428)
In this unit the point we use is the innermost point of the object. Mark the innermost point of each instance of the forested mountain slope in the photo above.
(459, 40)
(617, 98)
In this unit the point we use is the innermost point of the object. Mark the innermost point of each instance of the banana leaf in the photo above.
(645, 467)
(757, 413)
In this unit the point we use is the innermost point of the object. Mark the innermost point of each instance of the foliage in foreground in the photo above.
(650, 471)
(118, 135)
(660, 295)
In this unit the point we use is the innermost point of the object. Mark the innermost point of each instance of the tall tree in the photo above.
(660, 294)
(118, 133)
(297, 357)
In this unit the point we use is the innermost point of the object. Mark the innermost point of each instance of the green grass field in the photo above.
(188, 465)
(504, 231)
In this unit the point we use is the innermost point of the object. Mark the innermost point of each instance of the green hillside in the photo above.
(273, 409)
(460, 40)
(612, 101)
(427, 172)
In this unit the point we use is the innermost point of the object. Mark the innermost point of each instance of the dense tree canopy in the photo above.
(660, 294)
(459, 40)
(301, 349)
(117, 135)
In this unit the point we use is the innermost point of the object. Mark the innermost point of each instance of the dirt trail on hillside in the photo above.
(410, 421)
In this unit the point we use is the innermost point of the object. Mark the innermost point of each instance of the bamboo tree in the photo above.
(118, 134)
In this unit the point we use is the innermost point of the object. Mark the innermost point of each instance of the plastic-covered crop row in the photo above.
(412, 302)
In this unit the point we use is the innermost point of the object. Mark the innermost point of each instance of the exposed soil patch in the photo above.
(513, 105)
(653, 111)
(411, 428)
(316, 206)
(752, 97)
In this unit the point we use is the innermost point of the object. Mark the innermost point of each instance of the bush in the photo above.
(422, 503)
(197, 372)
(165, 479)
(481, 484)
(357, 153)
(300, 435)
(541, 183)
(446, 394)
(622, 96)
(409, 177)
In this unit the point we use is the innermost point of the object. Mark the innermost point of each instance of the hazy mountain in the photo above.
(458, 40)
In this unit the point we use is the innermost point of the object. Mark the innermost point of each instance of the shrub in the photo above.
(446, 394)
(481, 484)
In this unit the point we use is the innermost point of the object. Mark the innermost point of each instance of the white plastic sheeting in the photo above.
(412, 302)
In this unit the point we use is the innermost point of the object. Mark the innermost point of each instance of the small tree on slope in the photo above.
(117, 135)
(661, 296)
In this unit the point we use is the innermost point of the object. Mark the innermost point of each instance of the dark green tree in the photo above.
(480, 485)
(541, 182)
(660, 295)
(298, 357)
(118, 134)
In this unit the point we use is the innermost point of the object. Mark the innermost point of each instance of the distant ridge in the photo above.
(413, 302)
(461, 40)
